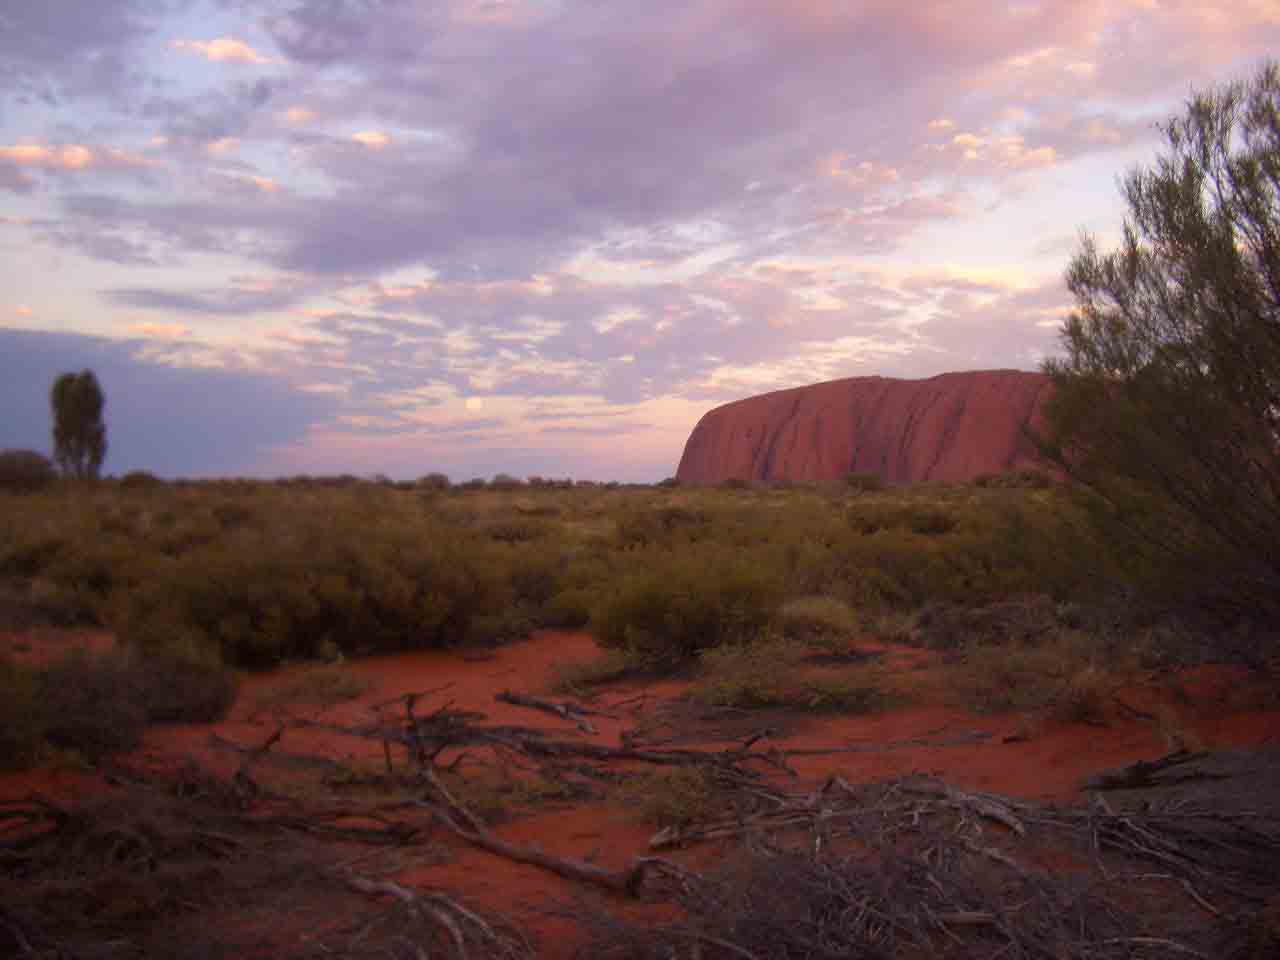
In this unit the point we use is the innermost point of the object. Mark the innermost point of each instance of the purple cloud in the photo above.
(405, 207)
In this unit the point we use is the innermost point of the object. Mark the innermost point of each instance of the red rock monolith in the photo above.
(949, 428)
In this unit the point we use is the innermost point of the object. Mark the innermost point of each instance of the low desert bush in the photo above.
(890, 626)
(1061, 676)
(290, 594)
(922, 518)
(184, 686)
(944, 626)
(25, 471)
(93, 704)
(568, 609)
(661, 526)
(515, 529)
(582, 676)
(685, 603)
(674, 798)
(750, 676)
(817, 620)
(22, 717)
(261, 574)
(859, 689)
(1027, 479)
(767, 673)
(140, 480)
(864, 482)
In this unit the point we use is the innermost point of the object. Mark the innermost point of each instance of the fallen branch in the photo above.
(571, 712)
(961, 740)
(1145, 773)
(446, 912)
(627, 882)
(985, 805)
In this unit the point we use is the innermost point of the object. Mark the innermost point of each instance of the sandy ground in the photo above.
(1047, 761)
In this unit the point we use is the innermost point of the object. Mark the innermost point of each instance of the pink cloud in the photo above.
(70, 157)
(159, 331)
(374, 139)
(223, 50)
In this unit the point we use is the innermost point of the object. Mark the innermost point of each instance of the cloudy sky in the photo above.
(545, 236)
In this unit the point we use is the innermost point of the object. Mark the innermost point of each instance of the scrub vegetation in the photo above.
(198, 580)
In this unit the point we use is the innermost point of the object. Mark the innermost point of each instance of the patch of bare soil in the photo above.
(450, 802)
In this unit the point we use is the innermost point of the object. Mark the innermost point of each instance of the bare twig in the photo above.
(572, 712)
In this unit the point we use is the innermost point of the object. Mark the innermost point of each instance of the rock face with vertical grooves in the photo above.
(949, 428)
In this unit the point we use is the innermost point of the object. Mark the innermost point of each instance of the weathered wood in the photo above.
(984, 805)
(570, 712)
(1144, 773)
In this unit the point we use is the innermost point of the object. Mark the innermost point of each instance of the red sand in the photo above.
(1049, 764)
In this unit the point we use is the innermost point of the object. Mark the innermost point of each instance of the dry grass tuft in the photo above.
(581, 676)
(674, 798)
(770, 673)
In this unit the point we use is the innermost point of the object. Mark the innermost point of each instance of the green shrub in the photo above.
(750, 676)
(184, 687)
(864, 482)
(140, 480)
(764, 674)
(1059, 675)
(668, 525)
(100, 704)
(943, 626)
(1026, 479)
(22, 716)
(508, 529)
(568, 609)
(93, 704)
(25, 471)
(925, 519)
(582, 676)
(1164, 399)
(259, 574)
(859, 690)
(674, 798)
(289, 591)
(816, 619)
(686, 603)
(231, 514)
(29, 557)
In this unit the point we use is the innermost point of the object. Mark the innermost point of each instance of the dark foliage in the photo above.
(79, 433)
(1167, 403)
(25, 471)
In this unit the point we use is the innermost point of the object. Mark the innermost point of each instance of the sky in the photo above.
(545, 236)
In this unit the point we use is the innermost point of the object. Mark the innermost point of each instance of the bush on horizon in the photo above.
(25, 471)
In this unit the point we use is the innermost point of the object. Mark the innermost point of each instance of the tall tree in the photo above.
(79, 433)
(1167, 403)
